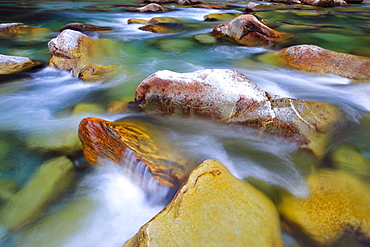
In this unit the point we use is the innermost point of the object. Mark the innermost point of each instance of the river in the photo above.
(111, 208)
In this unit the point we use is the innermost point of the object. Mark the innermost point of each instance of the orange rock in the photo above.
(249, 31)
(111, 140)
(85, 27)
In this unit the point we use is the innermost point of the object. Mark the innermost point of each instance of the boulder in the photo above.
(213, 208)
(73, 50)
(135, 145)
(97, 72)
(15, 64)
(152, 7)
(249, 31)
(85, 27)
(14, 28)
(337, 209)
(51, 180)
(230, 97)
(312, 58)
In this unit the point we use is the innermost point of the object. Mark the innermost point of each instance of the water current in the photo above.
(105, 208)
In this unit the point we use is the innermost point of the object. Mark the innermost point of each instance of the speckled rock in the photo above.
(213, 208)
(15, 64)
(14, 28)
(249, 31)
(73, 50)
(152, 7)
(315, 59)
(338, 208)
(97, 72)
(230, 97)
(50, 181)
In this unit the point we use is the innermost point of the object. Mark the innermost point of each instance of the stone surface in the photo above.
(213, 208)
(15, 64)
(338, 208)
(97, 72)
(152, 7)
(137, 21)
(230, 97)
(249, 31)
(315, 59)
(220, 17)
(162, 28)
(205, 38)
(73, 50)
(50, 182)
(14, 28)
(85, 27)
(7, 189)
(148, 145)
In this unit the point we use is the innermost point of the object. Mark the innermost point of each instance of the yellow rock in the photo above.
(15, 64)
(96, 72)
(348, 159)
(213, 208)
(50, 181)
(137, 21)
(7, 189)
(338, 207)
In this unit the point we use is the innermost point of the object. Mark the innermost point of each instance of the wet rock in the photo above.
(220, 17)
(85, 27)
(73, 50)
(152, 7)
(137, 21)
(7, 189)
(50, 182)
(145, 143)
(173, 45)
(230, 97)
(213, 208)
(180, 2)
(14, 28)
(166, 20)
(209, 6)
(315, 59)
(324, 3)
(249, 31)
(97, 72)
(336, 209)
(162, 28)
(15, 64)
(205, 38)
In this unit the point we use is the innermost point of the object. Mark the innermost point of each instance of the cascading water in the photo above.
(108, 205)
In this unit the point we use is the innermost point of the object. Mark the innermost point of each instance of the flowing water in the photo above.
(105, 208)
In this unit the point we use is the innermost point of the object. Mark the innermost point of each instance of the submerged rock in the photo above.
(312, 58)
(132, 143)
(230, 97)
(213, 208)
(337, 209)
(15, 64)
(73, 50)
(249, 31)
(51, 180)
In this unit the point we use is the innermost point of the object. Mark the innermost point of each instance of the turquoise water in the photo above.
(40, 103)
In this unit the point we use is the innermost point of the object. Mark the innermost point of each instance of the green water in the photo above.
(40, 102)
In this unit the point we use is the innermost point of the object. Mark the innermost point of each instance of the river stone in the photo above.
(104, 140)
(14, 28)
(7, 189)
(51, 180)
(152, 7)
(97, 72)
(220, 17)
(230, 97)
(15, 64)
(338, 208)
(162, 28)
(72, 51)
(213, 208)
(137, 21)
(85, 27)
(312, 58)
(249, 31)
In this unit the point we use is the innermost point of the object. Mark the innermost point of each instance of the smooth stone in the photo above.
(229, 97)
(152, 7)
(97, 72)
(337, 208)
(15, 64)
(213, 208)
(51, 181)
(160, 28)
(220, 17)
(14, 28)
(72, 51)
(121, 141)
(137, 21)
(205, 38)
(312, 58)
(249, 31)
(85, 27)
